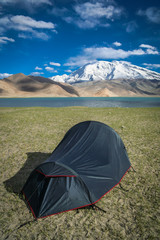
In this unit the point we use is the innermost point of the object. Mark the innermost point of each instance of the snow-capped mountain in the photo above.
(104, 70)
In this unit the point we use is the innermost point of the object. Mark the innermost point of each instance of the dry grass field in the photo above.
(29, 135)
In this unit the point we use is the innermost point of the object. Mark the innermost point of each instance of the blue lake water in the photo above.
(81, 101)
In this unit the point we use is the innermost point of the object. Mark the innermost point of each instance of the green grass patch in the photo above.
(29, 135)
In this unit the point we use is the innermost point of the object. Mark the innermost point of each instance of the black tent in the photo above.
(89, 161)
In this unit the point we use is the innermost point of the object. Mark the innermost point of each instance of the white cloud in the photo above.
(59, 11)
(29, 27)
(4, 75)
(34, 34)
(50, 69)
(137, 52)
(150, 65)
(147, 46)
(92, 54)
(79, 61)
(152, 14)
(5, 40)
(39, 2)
(4, 24)
(86, 24)
(149, 49)
(68, 71)
(97, 10)
(36, 73)
(55, 64)
(153, 52)
(1, 10)
(94, 14)
(111, 53)
(30, 6)
(32, 2)
(25, 21)
(38, 68)
(131, 26)
(117, 44)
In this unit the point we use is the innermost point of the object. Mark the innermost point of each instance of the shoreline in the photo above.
(91, 102)
(138, 96)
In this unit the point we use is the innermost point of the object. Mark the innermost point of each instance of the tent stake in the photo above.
(98, 208)
(23, 224)
(133, 169)
(123, 188)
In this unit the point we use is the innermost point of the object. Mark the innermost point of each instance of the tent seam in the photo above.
(77, 207)
(91, 203)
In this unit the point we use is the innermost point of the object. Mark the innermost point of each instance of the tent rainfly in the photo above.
(90, 160)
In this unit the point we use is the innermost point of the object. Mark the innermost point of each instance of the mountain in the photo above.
(103, 70)
(119, 88)
(117, 78)
(30, 86)
(20, 85)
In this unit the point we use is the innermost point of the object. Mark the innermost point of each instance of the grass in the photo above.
(29, 135)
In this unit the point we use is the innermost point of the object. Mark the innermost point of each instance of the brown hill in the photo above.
(120, 87)
(20, 85)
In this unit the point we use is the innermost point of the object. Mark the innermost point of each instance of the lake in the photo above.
(126, 102)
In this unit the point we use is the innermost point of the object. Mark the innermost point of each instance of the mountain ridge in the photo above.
(86, 82)
(104, 70)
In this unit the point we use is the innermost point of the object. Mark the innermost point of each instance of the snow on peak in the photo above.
(60, 78)
(104, 70)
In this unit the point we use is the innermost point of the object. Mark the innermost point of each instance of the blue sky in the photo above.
(55, 37)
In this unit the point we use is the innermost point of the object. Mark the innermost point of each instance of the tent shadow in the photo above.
(16, 183)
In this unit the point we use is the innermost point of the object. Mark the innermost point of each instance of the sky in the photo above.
(55, 37)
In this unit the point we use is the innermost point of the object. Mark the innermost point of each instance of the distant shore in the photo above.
(135, 96)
